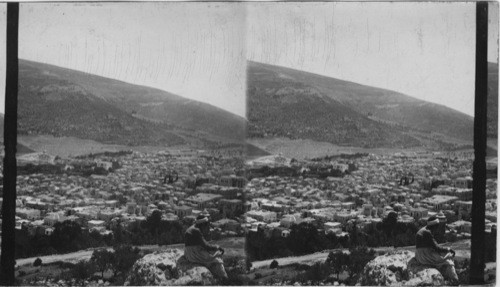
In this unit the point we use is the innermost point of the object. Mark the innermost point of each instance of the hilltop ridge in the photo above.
(63, 102)
(289, 103)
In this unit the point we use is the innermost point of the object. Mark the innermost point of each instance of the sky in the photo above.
(425, 50)
(199, 50)
(195, 50)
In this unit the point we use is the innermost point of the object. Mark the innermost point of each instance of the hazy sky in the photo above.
(425, 50)
(195, 50)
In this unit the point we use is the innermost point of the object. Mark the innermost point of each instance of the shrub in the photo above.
(248, 264)
(316, 273)
(102, 260)
(463, 271)
(38, 262)
(124, 258)
(274, 264)
(82, 271)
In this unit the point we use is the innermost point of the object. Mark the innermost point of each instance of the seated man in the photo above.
(429, 252)
(198, 251)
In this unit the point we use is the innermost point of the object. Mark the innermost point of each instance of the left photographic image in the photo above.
(131, 144)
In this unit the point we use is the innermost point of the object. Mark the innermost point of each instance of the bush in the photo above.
(274, 264)
(463, 271)
(67, 265)
(102, 260)
(82, 271)
(248, 264)
(124, 258)
(38, 262)
(236, 265)
(316, 274)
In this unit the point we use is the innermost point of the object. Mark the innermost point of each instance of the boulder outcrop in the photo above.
(399, 268)
(168, 267)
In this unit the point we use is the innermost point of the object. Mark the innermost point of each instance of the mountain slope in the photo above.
(64, 102)
(290, 103)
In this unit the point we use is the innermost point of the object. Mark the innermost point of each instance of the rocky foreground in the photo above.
(168, 267)
(399, 268)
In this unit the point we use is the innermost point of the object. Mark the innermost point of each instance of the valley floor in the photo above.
(301, 149)
(71, 146)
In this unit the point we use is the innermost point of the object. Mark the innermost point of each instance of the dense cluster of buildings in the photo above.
(414, 186)
(180, 184)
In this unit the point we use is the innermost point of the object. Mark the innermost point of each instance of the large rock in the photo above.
(399, 269)
(168, 267)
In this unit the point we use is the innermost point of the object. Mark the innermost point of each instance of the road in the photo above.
(309, 258)
(462, 249)
(305, 259)
(74, 257)
(233, 246)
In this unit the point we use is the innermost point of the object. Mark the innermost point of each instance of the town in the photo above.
(280, 206)
(111, 197)
(271, 194)
(334, 195)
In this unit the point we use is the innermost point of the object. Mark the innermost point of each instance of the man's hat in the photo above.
(433, 220)
(201, 219)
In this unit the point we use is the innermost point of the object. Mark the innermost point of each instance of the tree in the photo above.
(38, 262)
(170, 232)
(389, 224)
(316, 273)
(119, 234)
(274, 264)
(248, 263)
(64, 236)
(81, 271)
(115, 165)
(304, 238)
(354, 234)
(96, 238)
(153, 222)
(359, 256)
(338, 261)
(122, 200)
(124, 257)
(102, 260)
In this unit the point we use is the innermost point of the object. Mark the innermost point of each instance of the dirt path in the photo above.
(233, 245)
(462, 249)
(305, 259)
(74, 257)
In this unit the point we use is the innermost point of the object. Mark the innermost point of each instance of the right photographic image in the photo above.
(361, 122)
